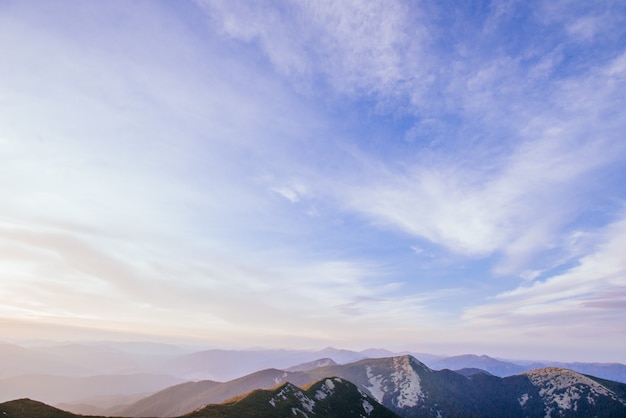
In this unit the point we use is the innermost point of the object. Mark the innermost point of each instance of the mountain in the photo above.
(330, 398)
(556, 392)
(411, 389)
(311, 365)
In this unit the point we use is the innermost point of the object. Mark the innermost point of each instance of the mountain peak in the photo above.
(567, 389)
(408, 360)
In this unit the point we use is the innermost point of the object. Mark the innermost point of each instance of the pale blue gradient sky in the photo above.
(424, 176)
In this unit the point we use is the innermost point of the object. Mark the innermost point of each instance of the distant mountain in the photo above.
(223, 365)
(311, 365)
(103, 358)
(328, 398)
(411, 389)
(125, 358)
(490, 364)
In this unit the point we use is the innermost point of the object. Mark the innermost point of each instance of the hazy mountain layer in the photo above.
(502, 368)
(58, 389)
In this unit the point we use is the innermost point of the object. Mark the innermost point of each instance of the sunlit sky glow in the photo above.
(414, 175)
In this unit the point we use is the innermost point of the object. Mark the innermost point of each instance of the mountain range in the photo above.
(329, 398)
(189, 363)
(402, 384)
(411, 389)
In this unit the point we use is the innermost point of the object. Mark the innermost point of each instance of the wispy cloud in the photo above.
(516, 202)
(355, 46)
(586, 301)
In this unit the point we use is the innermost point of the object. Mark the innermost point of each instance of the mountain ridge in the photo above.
(330, 397)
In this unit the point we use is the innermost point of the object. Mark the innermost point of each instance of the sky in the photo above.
(430, 176)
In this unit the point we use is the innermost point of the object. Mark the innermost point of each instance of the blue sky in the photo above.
(427, 176)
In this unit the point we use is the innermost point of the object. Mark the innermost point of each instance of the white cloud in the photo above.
(517, 200)
(293, 192)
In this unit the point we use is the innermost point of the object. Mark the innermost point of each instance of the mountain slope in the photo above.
(329, 398)
(184, 398)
